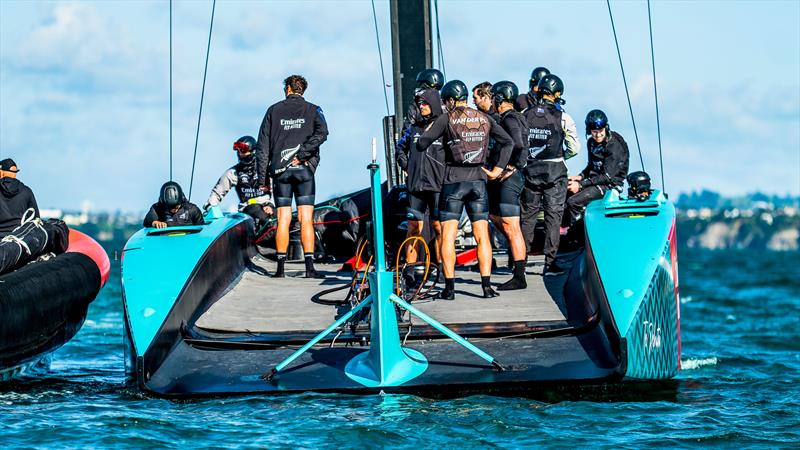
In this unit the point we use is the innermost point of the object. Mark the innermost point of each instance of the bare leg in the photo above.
(480, 229)
(511, 228)
(282, 233)
(513, 231)
(305, 215)
(437, 228)
(414, 229)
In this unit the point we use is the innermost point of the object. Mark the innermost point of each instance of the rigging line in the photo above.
(202, 95)
(625, 82)
(439, 39)
(655, 92)
(170, 90)
(380, 57)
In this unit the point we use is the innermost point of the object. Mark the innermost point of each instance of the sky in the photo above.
(84, 86)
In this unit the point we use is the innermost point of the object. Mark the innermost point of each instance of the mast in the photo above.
(411, 53)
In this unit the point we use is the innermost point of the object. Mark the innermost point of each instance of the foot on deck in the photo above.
(278, 274)
(488, 292)
(446, 294)
(513, 284)
(312, 273)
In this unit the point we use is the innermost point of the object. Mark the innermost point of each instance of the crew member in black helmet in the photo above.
(172, 209)
(606, 168)
(639, 186)
(529, 99)
(425, 170)
(552, 138)
(466, 133)
(243, 177)
(288, 149)
(505, 191)
(426, 79)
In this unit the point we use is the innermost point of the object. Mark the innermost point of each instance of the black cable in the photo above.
(170, 90)
(380, 57)
(655, 92)
(439, 39)
(202, 95)
(625, 82)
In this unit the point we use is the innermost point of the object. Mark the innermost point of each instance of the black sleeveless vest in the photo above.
(545, 133)
(468, 136)
(247, 182)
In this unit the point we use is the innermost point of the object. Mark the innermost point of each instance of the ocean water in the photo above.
(739, 387)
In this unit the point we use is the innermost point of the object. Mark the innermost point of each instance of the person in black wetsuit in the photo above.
(243, 178)
(172, 209)
(288, 149)
(16, 198)
(606, 169)
(529, 99)
(552, 138)
(466, 133)
(505, 191)
(425, 171)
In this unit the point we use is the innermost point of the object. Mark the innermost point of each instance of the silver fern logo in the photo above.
(472, 156)
(288, 154)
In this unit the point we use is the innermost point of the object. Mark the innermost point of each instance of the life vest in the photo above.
(468, 136)
(545, 132)
(247, 182)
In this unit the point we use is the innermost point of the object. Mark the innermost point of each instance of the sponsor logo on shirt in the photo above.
(292, 124)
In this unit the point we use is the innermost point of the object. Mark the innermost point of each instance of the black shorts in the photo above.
(504, 195)
(419, 202)
(297, 181)
(455, 196)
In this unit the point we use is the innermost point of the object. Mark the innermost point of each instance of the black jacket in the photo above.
(525, 101)
(498, 155)
(608, 162)
(425, 168)
(515, 125)
(187, 214)
(291, 128)
(16, 198)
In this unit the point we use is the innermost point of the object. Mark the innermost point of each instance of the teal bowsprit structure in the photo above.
(201, 318)
(386, 363)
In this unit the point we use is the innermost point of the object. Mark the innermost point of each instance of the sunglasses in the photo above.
(241, 147)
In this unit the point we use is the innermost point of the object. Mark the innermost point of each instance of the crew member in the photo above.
(466, 132)
(17, 198)
(288, 149)
(529, 99)
(505, 191)
(243, 177)
(552, 138)
(426, 79)
(172, 209)
(425, 171)
(606, 168)
(482, 99)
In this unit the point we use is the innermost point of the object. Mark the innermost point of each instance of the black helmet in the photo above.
(171, 195)
(596, 120)
(550, 84)
(245, 144)
(504, 91)
(536, 75)
(455, 89)
(430, 78)
(639, 186)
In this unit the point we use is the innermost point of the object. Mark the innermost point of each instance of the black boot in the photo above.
(553, 269)
(486, 285)
(311, 272)
(518, 280)
(448, 293)
(281, 262)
